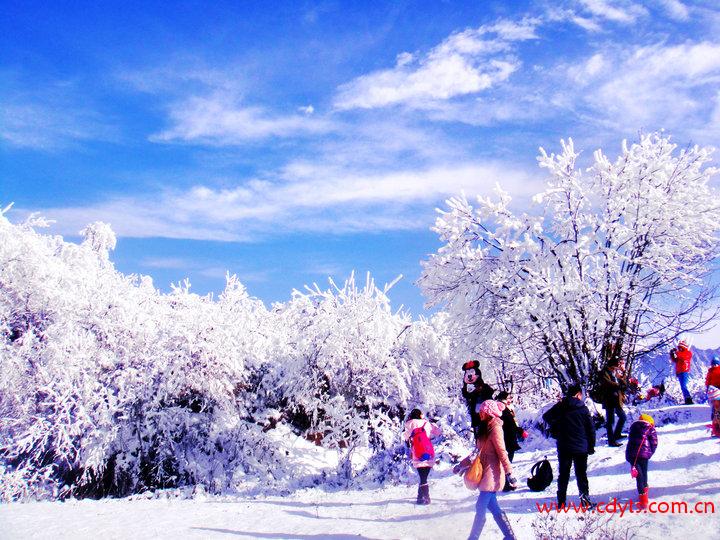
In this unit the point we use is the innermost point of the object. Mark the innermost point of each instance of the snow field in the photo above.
(685, 468)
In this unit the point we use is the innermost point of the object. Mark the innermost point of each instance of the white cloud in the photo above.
(593, 15)
(515, 106)
(652, 86)
(599, 64)
(621, 12)
(207, 106)
(586, 23)
(142, 216)
(220, 119)
(465, 63)
(675, 9)
(404, 59)
(50, 119)
(318, 198)
(379, 144)
(180, 77)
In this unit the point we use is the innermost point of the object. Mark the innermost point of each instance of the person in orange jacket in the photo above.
(682, 357)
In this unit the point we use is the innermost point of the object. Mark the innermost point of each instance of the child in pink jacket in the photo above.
(417, 434)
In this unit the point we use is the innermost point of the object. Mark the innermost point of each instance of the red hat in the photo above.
(471, 364)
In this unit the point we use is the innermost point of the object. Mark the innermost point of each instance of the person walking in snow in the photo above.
(642, 443)
(613, 386)
(681, 356)
(571, 425)
(512, 433)
(417, 434)
(496, 469)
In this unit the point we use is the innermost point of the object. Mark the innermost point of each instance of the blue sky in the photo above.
(291, 141)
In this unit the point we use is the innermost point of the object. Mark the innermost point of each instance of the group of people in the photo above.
(497, 435)
(572, 427)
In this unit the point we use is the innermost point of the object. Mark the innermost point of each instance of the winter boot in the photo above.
(586, 502)
(643, 502)
(561, 500)
(688, 401)
(423, 496)
(504, 524)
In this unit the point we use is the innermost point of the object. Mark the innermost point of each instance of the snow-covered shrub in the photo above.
(108, 386)
(352, 367)
(585, 526)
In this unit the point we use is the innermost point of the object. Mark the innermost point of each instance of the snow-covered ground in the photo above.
(684, 469)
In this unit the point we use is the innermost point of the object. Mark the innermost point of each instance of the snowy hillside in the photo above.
(685, 469)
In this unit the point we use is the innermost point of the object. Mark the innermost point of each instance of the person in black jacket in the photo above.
(614, 385)
(570, 423)
(512, 433)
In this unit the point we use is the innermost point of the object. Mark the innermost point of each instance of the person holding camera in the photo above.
(681, 356)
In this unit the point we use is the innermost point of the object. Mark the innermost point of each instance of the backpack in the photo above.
(596, 393)
(421, 447)
(541, 476)
(596, 389)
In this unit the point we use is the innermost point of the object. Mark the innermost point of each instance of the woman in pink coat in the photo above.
(496, 469)
(417, 434)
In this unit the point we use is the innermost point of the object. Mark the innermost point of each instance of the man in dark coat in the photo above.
(570, 423)
(614, 385)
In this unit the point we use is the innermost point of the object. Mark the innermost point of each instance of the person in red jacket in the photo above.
(713, 379)
(713, 375)
(682, 357)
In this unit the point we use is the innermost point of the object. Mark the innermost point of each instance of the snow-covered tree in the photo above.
(616, 261)
(342, 376)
